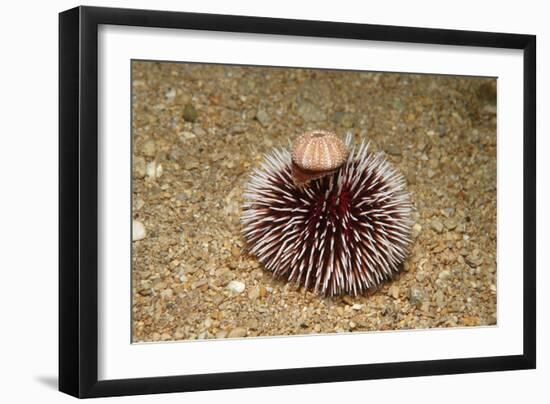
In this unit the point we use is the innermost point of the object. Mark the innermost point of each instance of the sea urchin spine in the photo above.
(343, 233)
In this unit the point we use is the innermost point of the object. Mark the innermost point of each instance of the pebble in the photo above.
(199, 283)
(450, 224)
(182, 196)
(487, 92)
(425, 306)
(138, 230)
(191, 164)
(236, 287)
(337, 117)
(444, 275)
(139, 204)
(490, 109)
(236, 129)
(224, 277)
(188, 269)
(357, 306)
(254, 293)
(448, 212)
(253, 324)
(188, 135)
(310, 112)
(416, 296)
(190, 114)
(470, 321)
(197, 130)
(221, 334)
(393, 291)
(145, 285)
(170, 94)
(347, 300)
(166, 293)
(416, 229)
(238, 332)
(473, 261)
(140, 167)
(263, 118)
(149, 148)
(439, 298)
(346, 120)
(437, 225)
(393, 150)
(420, 276)
(154, 170)
(455, 306)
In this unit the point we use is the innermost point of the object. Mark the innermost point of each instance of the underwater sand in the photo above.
(198, 130)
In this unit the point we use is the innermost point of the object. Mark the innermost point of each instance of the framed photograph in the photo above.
(251, 201)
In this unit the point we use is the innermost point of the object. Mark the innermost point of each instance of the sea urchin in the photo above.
(340, 234)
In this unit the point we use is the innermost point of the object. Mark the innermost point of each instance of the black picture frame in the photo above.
(78, 201)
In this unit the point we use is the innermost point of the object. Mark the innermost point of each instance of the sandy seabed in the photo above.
(199, 130)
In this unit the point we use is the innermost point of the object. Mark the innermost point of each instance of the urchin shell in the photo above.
(341, 234)
(319, 150)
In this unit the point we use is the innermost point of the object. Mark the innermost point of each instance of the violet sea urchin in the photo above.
(343, 233)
